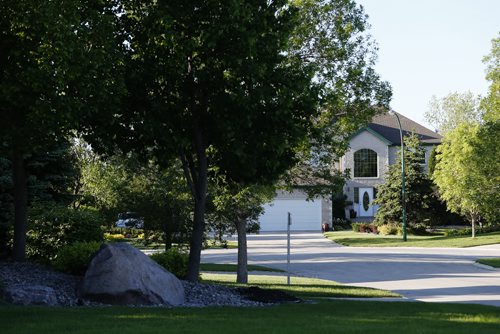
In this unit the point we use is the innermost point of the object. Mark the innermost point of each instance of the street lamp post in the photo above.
(403, 193)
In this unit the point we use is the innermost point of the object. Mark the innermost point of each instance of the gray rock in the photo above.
(31, 295)
(120, 274)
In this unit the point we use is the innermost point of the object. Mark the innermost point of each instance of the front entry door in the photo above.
(365, 202)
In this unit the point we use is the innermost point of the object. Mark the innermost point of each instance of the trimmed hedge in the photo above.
(75, 258)
(52, 226)
(174, 260)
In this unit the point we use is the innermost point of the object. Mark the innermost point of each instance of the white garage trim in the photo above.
(306, 215)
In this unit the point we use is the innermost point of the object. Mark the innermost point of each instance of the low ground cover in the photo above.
(338, 316)
(495, 262)
(302, 287)
(349, 238)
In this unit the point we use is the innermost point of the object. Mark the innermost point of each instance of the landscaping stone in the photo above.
(31, 295)
(120, 274)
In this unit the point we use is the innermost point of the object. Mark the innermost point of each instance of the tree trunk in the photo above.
(473, 222)
(20, 206)
(196, 239)
(242, 271)
(199, 178)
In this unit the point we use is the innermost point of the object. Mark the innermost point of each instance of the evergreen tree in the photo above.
(420, 199)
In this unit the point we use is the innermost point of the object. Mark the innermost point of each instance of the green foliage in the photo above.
(174, 260)
(356, 227)
(431, 164)
(390, 229)
(467, 171)
(75, 258)
(447, 113)
(364, 228)
(114, 237)
(339, 203)
(421, 202)
(331, 39)
(491, 103)
(53, 226)
(418, 229)
(125, 184)
(60, 71)
(339, 224)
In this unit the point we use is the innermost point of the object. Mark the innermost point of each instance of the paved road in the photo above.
(424, 274)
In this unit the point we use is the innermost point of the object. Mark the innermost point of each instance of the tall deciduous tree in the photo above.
(467, 172)
(244, 86)
(209, 85)
(332, 38)
(446, 113)
(491, 103)
(238, 206)
(58, 63)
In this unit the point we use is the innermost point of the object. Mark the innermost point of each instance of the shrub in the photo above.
(114, 237)
(174, 260)
(339, 224)
(52, 226)
(356, 227)
(388, 229)
(418, 229)
(75, 258)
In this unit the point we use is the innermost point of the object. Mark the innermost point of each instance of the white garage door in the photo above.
(306, 215)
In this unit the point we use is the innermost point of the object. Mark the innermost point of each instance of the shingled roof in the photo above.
(386, 125)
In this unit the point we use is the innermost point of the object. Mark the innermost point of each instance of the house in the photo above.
(371, 151)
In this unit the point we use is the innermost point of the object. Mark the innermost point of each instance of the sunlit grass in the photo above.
(302, 287)
(339, 316)
(349, 238)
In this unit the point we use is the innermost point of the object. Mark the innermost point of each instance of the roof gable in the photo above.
(386, 126)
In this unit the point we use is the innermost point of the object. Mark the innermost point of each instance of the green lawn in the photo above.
(233, 267)
(323, 317)
(495, 262)
(349, 238)
(302, 287)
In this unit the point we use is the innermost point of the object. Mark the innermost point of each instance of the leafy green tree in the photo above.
(332, 39)
(446, 113)
(58, 65)
(420, 199)
(238, 206)
(467, 171)
(209, 85)
(491, 103)
(241, 87)
(120, 184)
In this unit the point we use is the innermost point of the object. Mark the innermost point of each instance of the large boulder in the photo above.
(120, 274)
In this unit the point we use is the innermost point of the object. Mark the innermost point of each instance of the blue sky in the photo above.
(431, 47)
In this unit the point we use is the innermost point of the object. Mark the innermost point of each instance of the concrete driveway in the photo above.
(424, 274)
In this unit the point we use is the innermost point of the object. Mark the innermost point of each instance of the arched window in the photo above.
(365, 163)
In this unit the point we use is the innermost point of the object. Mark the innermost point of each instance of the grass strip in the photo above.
(349, 238)
(226, 267)
(302, 287)
(494, 262)
(339, 316)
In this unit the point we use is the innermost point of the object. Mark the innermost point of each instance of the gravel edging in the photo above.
(29, 276)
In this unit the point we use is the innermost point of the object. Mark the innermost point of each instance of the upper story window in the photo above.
(365, 163)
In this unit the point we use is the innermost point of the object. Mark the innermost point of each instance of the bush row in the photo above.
(364, 228)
